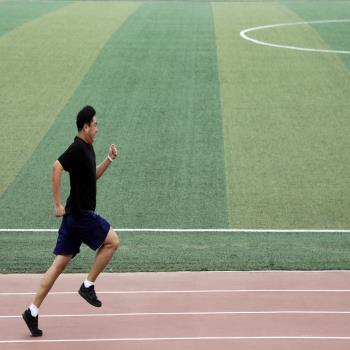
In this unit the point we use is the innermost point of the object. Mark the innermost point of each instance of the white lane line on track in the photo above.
(194, 313)
(173, 339)
(194, 291)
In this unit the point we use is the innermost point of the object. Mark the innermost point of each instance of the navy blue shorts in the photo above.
(89, 228)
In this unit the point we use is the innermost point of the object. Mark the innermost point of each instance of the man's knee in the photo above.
(61, 262)
(112, 240)
(116, 241)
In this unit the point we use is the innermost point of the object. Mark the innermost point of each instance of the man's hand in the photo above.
(59, 210)
(113, 152)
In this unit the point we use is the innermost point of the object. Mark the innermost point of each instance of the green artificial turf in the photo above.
(336, 35)
(24, 252)
(16, 13)
(42, 63)
(285, 116)
(213, 131)
(155, 89)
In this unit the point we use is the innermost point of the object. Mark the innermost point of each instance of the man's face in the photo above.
(91, 130)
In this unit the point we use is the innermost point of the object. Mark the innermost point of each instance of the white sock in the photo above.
(34, 310)
(88, 283)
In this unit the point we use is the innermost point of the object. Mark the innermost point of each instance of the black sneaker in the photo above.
(32, 323)
(89, 295)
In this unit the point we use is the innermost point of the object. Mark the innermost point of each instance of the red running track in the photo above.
(184, 310)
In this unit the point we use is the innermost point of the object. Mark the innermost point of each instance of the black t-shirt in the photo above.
(79, 160)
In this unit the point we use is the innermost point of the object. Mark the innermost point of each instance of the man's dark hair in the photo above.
(85, 116)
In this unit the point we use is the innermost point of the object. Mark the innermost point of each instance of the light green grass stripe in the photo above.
(286, 123)
(16, 13)
(42, 63)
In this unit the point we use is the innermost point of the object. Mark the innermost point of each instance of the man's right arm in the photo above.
(56, 190)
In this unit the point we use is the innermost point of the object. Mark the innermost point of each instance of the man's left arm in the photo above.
(102, 167)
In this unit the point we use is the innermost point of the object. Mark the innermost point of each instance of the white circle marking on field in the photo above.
(244, 35)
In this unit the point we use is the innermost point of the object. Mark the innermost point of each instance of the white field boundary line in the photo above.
(189, 313)
(199, 230)
(193, 291)
(172, 339)
(244, 35)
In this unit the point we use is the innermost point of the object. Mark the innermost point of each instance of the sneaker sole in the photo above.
(35, 333)
(89, 301)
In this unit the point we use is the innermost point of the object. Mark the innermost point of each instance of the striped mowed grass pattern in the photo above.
(285, 122)
(155, 87)
(335, 37)
(213, 131)
(16, 13)
(42, 63)
(161, 96)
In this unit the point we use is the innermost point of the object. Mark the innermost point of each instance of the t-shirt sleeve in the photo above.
(69, 157)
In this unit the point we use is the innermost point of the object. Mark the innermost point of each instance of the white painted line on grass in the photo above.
(218, 230)
(193, 313)
(244, 35)
(194, 291)
(171, 339)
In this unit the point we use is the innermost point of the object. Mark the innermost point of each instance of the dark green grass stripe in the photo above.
(190, 251)
(155, 88)
(16, 13)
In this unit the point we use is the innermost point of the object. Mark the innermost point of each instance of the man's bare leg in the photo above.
(59, 264)
(104, 255)
(30, 315)
(102, 258)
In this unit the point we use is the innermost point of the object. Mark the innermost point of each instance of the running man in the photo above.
(80, 223)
